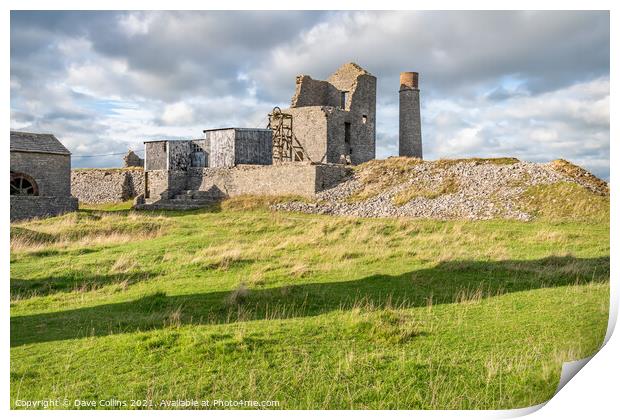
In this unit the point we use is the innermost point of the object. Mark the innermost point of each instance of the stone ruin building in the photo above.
(131, 160)
(307, 147)
(40, 176)
(184, 174)
(334, 119)
(330, 123)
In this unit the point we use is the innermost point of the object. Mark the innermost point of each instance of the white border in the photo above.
(592, 393)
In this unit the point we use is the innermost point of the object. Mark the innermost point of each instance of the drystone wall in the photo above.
(283, 179)
(28, 207)
(106, 185)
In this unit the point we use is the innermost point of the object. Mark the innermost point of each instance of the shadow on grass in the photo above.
(448, 282)
(76, 282)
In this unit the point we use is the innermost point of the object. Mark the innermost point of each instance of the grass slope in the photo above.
(312, 311)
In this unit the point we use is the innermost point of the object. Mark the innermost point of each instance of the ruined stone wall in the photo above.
(328, 176)
(363, 119)
(310, 129)
(283, 179)
(361, 104)
(200, 156)
(52, 172)
(132, 160)
(323, 136)
(107, 185)
(28, 207)
(177, 182)
(336, 119)
(164, 184)
(311, 92)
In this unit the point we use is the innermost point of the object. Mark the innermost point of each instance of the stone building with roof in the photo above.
(40, 176)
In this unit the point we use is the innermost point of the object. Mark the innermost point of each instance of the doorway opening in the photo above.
(347, 138)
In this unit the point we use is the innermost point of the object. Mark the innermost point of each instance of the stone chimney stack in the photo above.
(409, 125)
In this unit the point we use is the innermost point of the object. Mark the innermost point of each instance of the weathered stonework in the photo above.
(132, 160)
(107, 185)
(46, 164)
(303, 179)
(30, 207)
(156, 155)
(52, 172)
(334, 120)
(283, 179)
(238, 146)
(409, 123)
(221, 148)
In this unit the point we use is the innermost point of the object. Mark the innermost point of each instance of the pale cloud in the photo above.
(135, 24)
(178, 113)
(534, 85)
(570, 123)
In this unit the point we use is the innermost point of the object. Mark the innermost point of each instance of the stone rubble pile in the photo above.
(484, 191)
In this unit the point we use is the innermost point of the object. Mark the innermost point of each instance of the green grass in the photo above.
(312, 311)
(123, 205)
(565, 201)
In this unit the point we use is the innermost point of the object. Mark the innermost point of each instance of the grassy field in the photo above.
(239, 303)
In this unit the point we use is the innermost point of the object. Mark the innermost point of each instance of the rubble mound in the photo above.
(473, 189)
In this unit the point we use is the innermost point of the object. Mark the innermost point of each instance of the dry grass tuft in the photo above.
(446, 163)
(256, 202)
(220, 258)
(449, 185)
(300, 270)
(565, 201)
(238, 296)
(389, 324)
(378, 175)
(81, 229)
(550, 236)
(469, 296)
(174, 319)
(124, 264)
(581, 176)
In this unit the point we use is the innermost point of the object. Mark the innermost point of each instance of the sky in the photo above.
(530, 85)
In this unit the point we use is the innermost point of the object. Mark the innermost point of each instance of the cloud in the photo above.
(178, 113)
(534, 85)
(571, 123)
